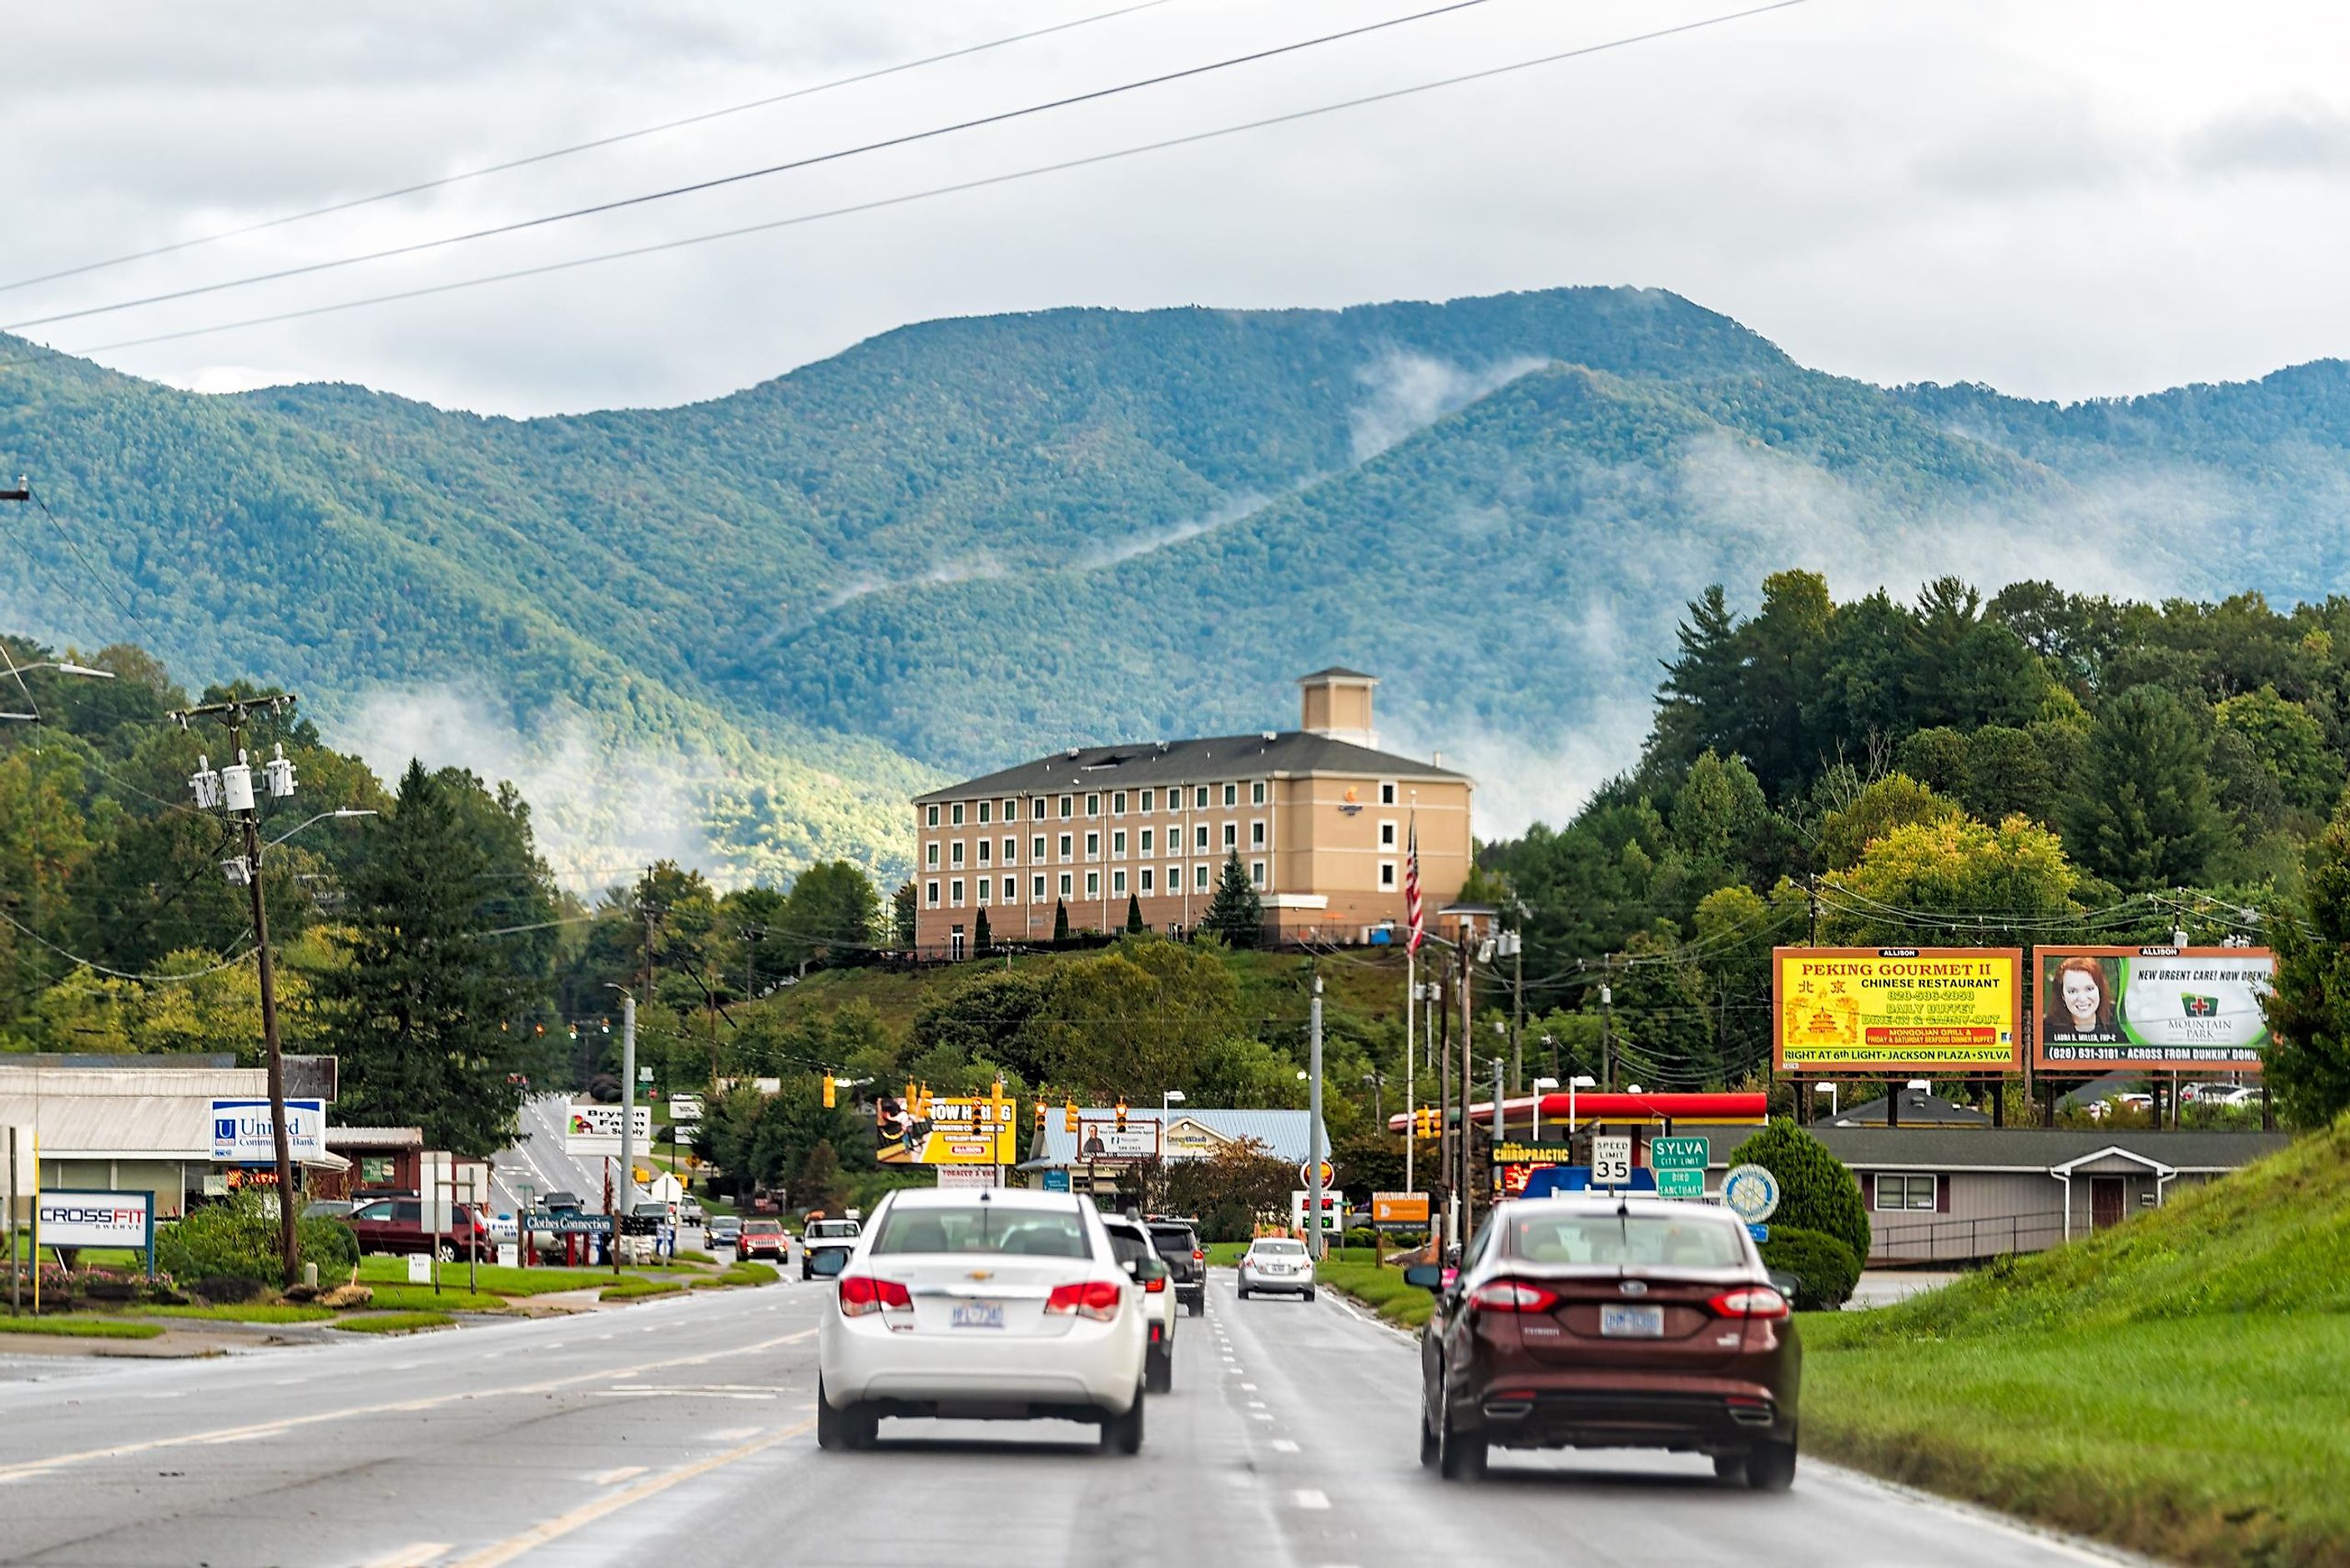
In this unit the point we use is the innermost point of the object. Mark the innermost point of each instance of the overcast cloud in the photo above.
(2063, 200)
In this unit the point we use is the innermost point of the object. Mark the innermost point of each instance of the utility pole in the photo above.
(1468, 1079)
(1517, 948)
(1314, 1120)
(1607, 1027)
(628, 1109)
(1442, 1028)
(231, 787)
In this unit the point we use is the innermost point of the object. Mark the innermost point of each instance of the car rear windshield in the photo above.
(763, 1226)
(1283, 1247)
(984, 1228)
(823, 1229)
(1173, 1240)
(1634, 1241)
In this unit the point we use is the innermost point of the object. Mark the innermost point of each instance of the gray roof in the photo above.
(2037, 1148)
(1209, 760)
(1283, 1133)
(1337, 672)
(1918, 1108)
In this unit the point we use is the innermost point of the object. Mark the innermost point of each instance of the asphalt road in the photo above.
(682, 1430)
(537, 1158)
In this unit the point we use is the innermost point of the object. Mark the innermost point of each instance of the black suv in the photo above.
(1185, 1261)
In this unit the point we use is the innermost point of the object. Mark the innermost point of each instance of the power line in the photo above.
(958, 187)
(601, 141)
(126, 974)
(741, 176)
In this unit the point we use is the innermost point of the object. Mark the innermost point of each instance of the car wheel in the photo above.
(1729, 1468)
(1427, 1439)
(1309, 1296)
(1199, 1305)
(1123, 1434)
(1159, 1370)
(1244, 1292)
(1459, 1456)
(832, 1426)
(448, 1251)
(1771, 1467)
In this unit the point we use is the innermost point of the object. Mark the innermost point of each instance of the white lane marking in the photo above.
(1350, 1312)
(1257, 1405)
(672, 1394)
(1308, 1498)
(415, 1555)
(1250, 1386)
(245, 1437)
(614, 1476)
(1284, 1445)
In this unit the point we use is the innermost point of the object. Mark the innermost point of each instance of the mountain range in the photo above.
(745, 630)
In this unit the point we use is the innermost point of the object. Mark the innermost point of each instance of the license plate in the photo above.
(1632, 1322)
(976, 1314)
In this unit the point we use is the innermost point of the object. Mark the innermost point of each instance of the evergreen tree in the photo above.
(1134, 914)
(2307, 1063)
(1060, 921)
(435, 1025)
(982, 938)
(817, 1183)
(2141, 814)
(901, 915)
(1235, 913)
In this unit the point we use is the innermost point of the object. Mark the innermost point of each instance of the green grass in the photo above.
(451, 1298)
(1382, 1290)
(396, 1323)
(75, 1326)
(631, 1289)
(1224, 1255)
(2175, 1385)
(752, 1274)
(241, 1312)
(494, 1280)
(693, 1255)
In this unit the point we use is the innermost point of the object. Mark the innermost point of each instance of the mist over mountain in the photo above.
(744, 630)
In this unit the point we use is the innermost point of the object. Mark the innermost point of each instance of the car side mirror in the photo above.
(1424, 1276)
(828, 1263)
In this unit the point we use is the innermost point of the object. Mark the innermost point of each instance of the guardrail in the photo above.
(1966, 1241)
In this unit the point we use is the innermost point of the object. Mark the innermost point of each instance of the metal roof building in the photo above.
(1283, 1133)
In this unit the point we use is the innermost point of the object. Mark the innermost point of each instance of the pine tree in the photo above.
(1134, 915)
(981, 939)
(2141, 814)
(818, 1184)
(1235, 913)
(2307, 1063)
(1060, 921)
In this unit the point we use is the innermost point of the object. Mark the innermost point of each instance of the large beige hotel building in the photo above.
(1318, 815)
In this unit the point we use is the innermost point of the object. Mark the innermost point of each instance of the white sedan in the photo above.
(1000, 1304)
(1276, 1264)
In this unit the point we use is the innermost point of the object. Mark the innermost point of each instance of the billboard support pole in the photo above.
(628, 1106)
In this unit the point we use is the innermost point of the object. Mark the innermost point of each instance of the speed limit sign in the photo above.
(1611, 1161)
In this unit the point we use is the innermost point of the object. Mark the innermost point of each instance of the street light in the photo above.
(1171, 1097)
(1580, 1081)
(1540, 1085)
(62, 668)
(1830, 1091)
(322, 816)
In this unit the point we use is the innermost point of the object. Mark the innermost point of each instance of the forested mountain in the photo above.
(963, 542)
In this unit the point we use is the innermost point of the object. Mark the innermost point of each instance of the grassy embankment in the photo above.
(78, 1326)
(2177, 1384)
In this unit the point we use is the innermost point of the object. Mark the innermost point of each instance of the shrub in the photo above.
(238, 1240)
(1825, 1270)
(1816, 1190)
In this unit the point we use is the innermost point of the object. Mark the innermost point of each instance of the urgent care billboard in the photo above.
(2166, 1009)
(1946, 1012)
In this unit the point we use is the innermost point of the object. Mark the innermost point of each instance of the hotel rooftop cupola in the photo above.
(1338, 705)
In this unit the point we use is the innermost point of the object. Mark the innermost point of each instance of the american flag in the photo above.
(1413, 914)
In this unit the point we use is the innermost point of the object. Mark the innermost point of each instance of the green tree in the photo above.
(2141, 814)
(436, 1024)
(1137, 1019)
(2006, 775)
(1897, 800)
(1937, 758)
(1816, 1191)
(901, 916)
(2289, 742)
(833, 913)
(815, 1184)
(983, 939)
(2307, 1064)
(2008, 886)
(1134, 926)
(1235, 913)
(1060, 921)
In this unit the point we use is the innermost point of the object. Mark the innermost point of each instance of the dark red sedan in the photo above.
(1594, 1322)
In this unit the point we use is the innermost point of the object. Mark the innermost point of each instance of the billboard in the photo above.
(594, 1129)
(919, 1130)
(97, 1220)
(244, 1133)
(1941, 1010)
(1100, 1137)
(2176, 1009)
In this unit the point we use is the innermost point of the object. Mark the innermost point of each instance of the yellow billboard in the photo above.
(921, 1129)
(1934, 1011)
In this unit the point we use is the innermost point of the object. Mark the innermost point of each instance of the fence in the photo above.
(1966, 1241)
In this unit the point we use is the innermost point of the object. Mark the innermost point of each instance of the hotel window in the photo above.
(1118, 845)
(1065, 849)
(929, 858)
(1146, 840)
(955, 811)
(1064, 884)
(982, 811)
(1117, 803)
(1148, 797)
(954, 892)
(1256, 873)
(1256, 793)
(986, 849)
(955, 855)
(1146, 879)
(930, 893)
(1010, 851)
(1199, 837)
(1036, 809)
(1386, 874)
(1011, 811)
(931, 816)
(1256, 834)
(1174, 879)
(986, 889)
(1905, 1192)
(1093, 884)
(1011, 889)
(1093, 845)
(1199, 876)
(1199, 798)
(1387, 794)
(1232, 794)
(1387, 835)
(1036, 888)
(1064, 807)
(1118, 881)
(1093, 805)
(1035, 852)
(1232, 836)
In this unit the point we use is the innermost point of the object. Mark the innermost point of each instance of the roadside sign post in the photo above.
(1611, 1161)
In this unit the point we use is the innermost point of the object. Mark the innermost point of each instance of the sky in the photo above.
(2063, 199)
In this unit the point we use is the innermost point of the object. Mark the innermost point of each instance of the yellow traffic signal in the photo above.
(830, 1094)
(1121, 1115)
(1070, 1117)
(1040, 1115)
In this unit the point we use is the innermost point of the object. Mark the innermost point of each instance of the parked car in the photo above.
(1583, 1322)
(821, 1235)
(396, 1225)
(762, 1238)
(329, 1208)
(1276, 1264)
(1131, 1240)
(1187, 1261)
(723, 1232)
(689, 1212)
(1007, 1305)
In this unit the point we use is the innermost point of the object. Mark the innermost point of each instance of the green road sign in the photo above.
(1676, 1153)
(1681, 1184)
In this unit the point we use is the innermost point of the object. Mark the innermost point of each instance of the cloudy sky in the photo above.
(2062, 199)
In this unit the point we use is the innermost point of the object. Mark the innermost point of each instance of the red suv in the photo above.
(762, 1238)
(396, 1225)
(1590, 1322)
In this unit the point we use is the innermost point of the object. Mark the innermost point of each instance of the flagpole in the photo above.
(1411, 1106)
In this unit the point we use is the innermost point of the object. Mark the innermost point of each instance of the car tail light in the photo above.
(1748, 1301)
(1096, 1299)
(1155, 1286)
(1512, 1295)
(861, 1294)
(1198, 1256)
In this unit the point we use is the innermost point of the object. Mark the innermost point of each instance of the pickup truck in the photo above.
(824, 1235)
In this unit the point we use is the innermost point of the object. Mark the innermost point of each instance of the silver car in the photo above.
(1276, 1264)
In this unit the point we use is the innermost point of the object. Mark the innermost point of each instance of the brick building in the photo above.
(1318, 816)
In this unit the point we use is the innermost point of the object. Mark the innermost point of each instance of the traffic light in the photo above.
(1040, 1115)
(1424, 1122)
(830, 1094)
(1121, 1115)
(1070, 1117)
